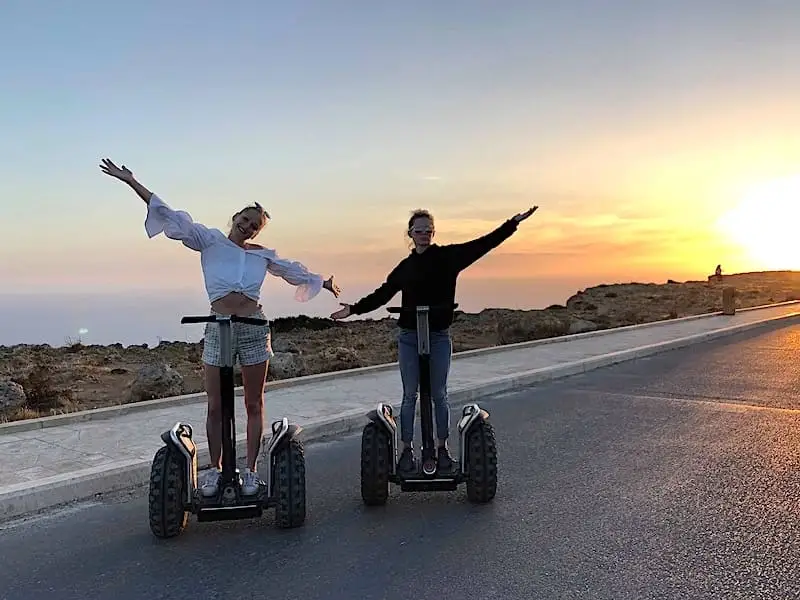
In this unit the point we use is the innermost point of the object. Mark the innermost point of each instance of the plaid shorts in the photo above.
(251, 344)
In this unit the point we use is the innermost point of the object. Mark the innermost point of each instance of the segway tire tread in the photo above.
(290, 477)
(375, 465)
(167, 479)
(482, 464)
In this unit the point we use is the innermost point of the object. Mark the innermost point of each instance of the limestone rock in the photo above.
(285, 365)
(284, 345)
(156, 380)
(12, 395)
(581, 326)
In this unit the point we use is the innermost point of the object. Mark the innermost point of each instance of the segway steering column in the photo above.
(227, 386)
(425, 398)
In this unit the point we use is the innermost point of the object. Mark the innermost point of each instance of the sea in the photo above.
(148, 316)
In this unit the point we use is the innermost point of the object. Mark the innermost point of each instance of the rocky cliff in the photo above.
(42, 380)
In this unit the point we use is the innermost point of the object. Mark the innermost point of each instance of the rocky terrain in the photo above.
(43, 380)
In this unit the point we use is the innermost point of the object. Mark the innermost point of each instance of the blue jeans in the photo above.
(441, 349)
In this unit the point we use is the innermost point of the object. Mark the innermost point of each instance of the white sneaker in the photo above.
(250, 483)
(210, 483)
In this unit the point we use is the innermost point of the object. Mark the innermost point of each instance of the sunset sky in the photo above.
(648, 134)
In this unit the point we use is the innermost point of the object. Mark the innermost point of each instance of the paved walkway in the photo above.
(33, 457)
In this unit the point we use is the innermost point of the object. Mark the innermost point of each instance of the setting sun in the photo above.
(764, 223)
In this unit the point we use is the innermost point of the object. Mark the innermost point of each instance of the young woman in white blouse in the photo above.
(234, 271)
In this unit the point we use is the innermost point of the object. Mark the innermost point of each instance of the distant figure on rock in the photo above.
(717, 276)
(428, 276)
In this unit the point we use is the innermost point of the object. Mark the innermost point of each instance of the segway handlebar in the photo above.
(413, 309)
(232, 318)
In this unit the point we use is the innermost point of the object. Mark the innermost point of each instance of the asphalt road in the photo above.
(669, 477)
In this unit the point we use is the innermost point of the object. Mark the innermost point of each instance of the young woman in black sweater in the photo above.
(427, 276)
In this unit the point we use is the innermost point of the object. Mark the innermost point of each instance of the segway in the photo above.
(477, 458)
(174, 490)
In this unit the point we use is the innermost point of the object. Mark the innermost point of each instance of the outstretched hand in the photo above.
(123, 173)
(342, 313)
(522, 216)
(331, 286)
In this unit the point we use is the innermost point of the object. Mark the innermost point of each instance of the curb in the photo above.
(22, 499)
(110, 412)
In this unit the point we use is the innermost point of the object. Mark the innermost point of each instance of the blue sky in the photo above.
(626, 122)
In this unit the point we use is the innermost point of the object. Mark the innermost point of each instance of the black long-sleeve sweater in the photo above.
(429, 278)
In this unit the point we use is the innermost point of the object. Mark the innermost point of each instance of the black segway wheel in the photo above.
(375, 464)
(290, 484)
(167, 492)
(481, 464)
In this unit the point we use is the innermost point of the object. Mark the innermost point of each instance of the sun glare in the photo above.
(765, 223)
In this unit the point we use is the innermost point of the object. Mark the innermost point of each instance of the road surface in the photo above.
(670, 477)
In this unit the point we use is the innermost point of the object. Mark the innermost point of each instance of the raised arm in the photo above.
(125, 175)
(463, 255)
(174, 224)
